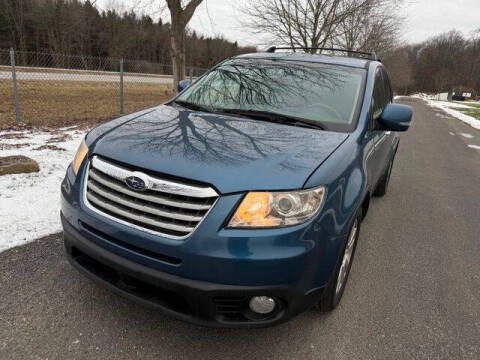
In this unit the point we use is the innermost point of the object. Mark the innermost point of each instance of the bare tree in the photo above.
(376, 26)
(180, 12)
(301, 23)
(437, 66)
(13, 11)
(472, 62)
(400, 68)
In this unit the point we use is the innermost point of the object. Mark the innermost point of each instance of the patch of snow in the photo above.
(470, 120)
(451, 133)
(474, 146)
(466, 135)
(423, 96)
(449, 104)
(30, 203)
(453, 104)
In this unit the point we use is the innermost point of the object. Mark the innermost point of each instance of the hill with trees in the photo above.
(440, 64)
(79, 28)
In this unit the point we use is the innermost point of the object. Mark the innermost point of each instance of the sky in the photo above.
(423, 18)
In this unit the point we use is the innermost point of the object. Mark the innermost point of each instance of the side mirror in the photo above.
(182, 85)
(396, 117)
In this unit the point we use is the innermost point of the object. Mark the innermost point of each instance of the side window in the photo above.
(378, 99)
(388, 87)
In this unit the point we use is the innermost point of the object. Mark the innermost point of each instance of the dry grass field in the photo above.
(53, 104)
(473, 111)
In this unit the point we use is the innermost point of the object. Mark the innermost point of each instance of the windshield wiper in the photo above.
(276, 117)
(193, 106)
(258, 114)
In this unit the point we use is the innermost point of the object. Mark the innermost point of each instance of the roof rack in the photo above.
(371, 55)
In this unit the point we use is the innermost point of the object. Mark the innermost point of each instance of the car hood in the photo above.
(231, 153)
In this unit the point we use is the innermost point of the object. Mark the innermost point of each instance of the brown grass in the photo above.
(56, 104)
(475, 105)
(474, 111)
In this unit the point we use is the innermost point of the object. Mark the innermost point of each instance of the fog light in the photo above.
(262, 304)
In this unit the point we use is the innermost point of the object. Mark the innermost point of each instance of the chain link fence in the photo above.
(44, 89)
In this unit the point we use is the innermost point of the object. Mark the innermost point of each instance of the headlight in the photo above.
(276, 209)
(79, 156)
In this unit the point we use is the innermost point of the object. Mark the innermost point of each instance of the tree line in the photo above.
(448, 61)
(445, 62)
(78, 27)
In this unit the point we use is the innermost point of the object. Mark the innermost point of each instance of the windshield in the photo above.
(322, 93)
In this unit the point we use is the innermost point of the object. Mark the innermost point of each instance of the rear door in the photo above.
(375, 155)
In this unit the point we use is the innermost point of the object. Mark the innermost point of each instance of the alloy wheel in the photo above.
(347, 258)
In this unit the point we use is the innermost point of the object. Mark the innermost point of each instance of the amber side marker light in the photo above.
(79, 156)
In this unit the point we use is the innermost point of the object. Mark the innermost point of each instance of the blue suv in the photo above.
(239, 202)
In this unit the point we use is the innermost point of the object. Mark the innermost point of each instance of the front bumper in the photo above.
(195, 301)
(209, 277)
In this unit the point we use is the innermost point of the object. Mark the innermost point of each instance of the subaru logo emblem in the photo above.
(135, 183)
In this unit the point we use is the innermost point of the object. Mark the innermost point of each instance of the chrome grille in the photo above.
(168, 208)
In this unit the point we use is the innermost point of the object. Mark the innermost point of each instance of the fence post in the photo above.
(18, 114)
(191, 74)
(121, 86)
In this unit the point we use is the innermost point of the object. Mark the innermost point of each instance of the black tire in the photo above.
(382, 185)
(331, 297)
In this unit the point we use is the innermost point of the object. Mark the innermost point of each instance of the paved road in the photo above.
(414, 290)
(101, 77)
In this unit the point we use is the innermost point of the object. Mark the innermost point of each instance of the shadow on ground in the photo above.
(49, 310)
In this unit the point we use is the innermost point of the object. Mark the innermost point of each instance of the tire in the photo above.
(334, 291)
(382, 185)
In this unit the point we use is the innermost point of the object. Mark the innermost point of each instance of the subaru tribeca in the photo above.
(239, 202)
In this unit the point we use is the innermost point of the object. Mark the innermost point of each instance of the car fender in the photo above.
(345, 178)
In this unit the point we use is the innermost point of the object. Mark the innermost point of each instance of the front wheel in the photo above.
(334, 291)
